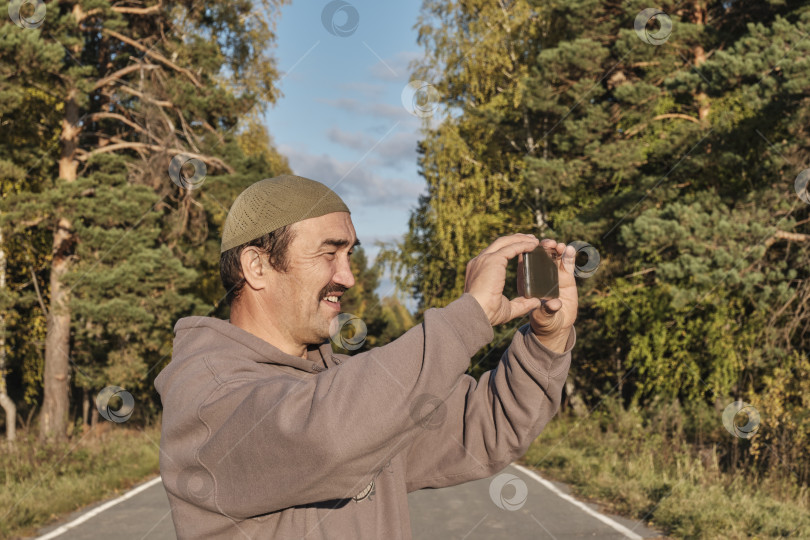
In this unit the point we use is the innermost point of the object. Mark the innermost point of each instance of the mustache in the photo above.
(332, 288)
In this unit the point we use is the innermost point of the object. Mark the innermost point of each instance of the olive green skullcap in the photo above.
(272, 203)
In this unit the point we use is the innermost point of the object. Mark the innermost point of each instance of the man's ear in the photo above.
(255, 267)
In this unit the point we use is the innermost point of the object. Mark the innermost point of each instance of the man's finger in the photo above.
(551, 247)
(510, 250)
(507, 240)
(568, 259)
(521, 306)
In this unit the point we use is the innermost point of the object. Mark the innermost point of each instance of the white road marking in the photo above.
(585, 508)
(96, 511)
(551, 487)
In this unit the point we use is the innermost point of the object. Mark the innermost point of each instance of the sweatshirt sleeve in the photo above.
(290, 439)
(478, 428)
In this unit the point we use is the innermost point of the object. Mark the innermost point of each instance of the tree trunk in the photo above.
(85, 408)
(704, 104)
(5, 401)
(11, 413)
(94, 416)
(55, 405)
(53, 418)
(575, 400)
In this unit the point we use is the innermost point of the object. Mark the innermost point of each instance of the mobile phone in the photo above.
(540, 277)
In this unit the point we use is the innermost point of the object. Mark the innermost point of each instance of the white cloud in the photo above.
(395, 68)
(384, 110)
(396, 150)
(355, 183)
(355, 141)
(364, 89)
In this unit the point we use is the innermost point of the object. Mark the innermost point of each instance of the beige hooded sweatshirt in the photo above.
(257, 443)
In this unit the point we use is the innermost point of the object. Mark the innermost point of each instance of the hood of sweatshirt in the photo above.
(197, 337)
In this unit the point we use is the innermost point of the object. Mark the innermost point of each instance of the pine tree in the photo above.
(135, 86)
(23, 322)
(675, 160)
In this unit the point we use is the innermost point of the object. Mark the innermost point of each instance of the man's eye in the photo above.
(350, 253)
(332, 253)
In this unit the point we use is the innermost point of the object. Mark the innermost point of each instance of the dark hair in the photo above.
(274, 244)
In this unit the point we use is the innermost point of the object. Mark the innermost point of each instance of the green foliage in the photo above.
(471, 162)
(125, 285)
(39, 481)
(673, 467)
(783, 442)
(677, 163)
(143, 251)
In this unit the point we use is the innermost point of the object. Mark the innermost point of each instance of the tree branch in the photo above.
(152, 54)
(210, 128)
(121, 118)
(187, 130)
(631, 132)
(139, 11)
(121, 72)
(784, 235)
(802, 222)
(39, 295)
(677, 115)
(641, 272)
(135, 93)
(216, 162)
(33, 222)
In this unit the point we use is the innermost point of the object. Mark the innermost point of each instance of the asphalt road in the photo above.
(541, 509)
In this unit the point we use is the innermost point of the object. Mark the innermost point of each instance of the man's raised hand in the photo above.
(553, 321)
(486, 277)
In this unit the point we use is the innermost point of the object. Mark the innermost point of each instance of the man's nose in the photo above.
(344, 274)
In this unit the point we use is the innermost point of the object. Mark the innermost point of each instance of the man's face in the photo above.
(306, 298)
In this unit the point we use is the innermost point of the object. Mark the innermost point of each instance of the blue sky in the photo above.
(341, 119)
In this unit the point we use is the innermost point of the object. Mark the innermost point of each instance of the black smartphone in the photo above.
(540, 277)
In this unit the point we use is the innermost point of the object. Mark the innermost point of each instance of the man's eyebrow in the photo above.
(338, 242)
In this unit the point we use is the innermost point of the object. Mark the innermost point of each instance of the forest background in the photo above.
(671, 142)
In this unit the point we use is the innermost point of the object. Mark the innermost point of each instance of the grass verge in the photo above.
(621, 460)
(41, 482)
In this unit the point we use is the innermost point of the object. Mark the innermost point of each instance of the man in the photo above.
(268, 434)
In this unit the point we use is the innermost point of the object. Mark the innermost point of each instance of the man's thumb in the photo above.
(521, 306)
(552, 306)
